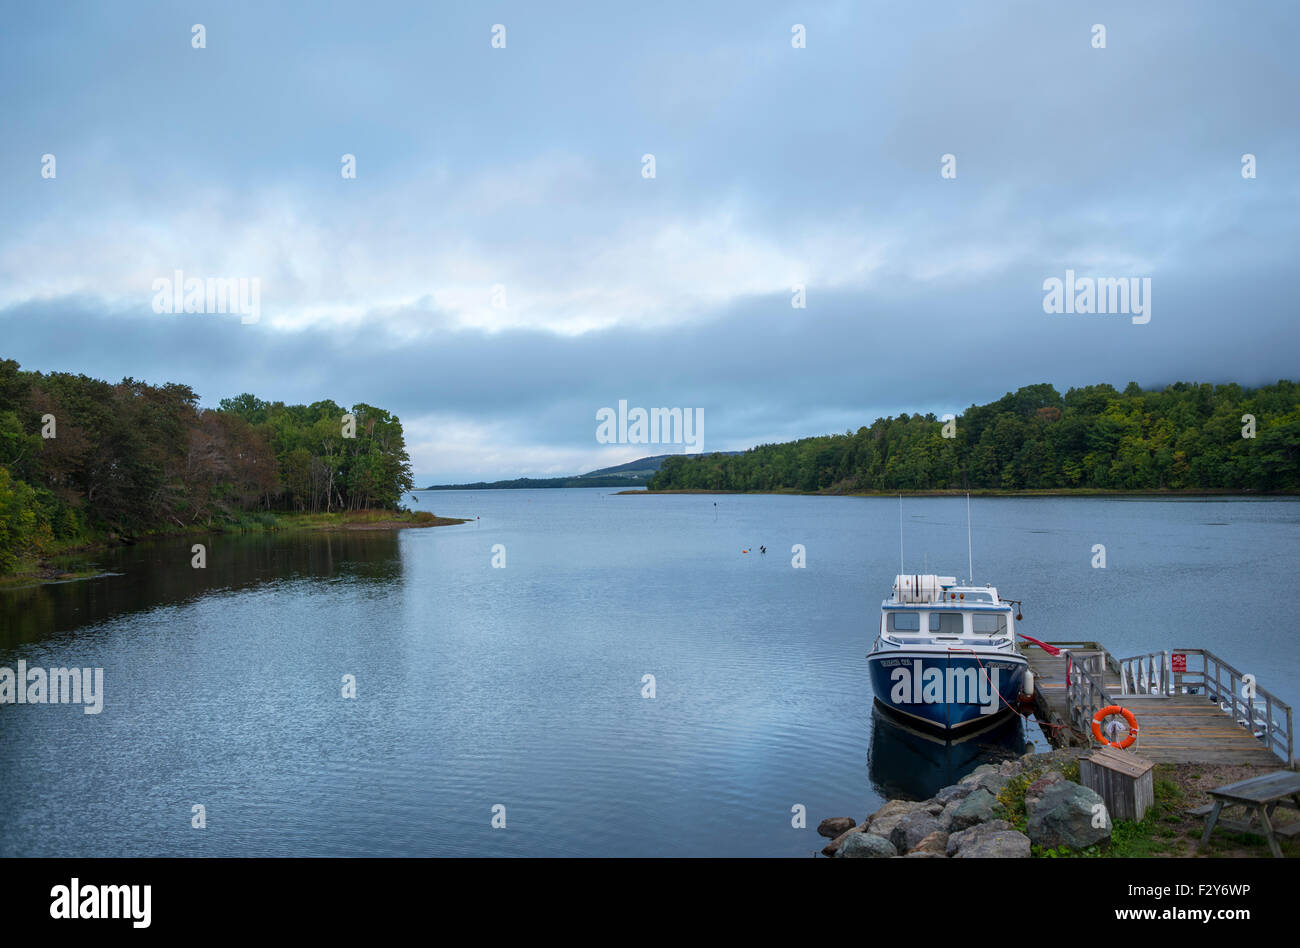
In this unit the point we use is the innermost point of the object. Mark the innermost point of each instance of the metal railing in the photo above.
(1087, 688)
(1198, 671)
(1147, 674)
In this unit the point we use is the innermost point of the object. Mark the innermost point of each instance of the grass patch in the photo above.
(362, 519)
(1011, 798)
(1156, 834)
(258, 520)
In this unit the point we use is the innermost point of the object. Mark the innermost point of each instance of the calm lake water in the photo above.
(522, 685)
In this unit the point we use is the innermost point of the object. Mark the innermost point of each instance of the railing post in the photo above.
(1290, 739)
(1268, 719)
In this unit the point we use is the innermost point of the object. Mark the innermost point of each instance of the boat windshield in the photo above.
(904, 622)
(989, 623)
(946, 623)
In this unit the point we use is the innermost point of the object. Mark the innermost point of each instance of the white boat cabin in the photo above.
(929, 610)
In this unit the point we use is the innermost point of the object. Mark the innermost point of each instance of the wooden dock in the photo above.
(1190, 706)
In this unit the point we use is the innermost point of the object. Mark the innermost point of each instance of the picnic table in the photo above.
(1260, 796)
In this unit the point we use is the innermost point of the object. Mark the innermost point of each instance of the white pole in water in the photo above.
(970, 549)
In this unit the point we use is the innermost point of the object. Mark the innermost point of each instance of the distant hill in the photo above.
(638, 468)
(531, 483)
(632, 474)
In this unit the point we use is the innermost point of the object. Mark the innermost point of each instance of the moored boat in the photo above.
(946, 654)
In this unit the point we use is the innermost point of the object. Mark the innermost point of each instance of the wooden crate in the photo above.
(1123, 781)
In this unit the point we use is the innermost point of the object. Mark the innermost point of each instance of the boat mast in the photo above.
(970, 549)
(900, 535)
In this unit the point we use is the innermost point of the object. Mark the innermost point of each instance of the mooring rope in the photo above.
(994, 689)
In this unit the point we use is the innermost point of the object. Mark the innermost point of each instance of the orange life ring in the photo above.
(1129, 719)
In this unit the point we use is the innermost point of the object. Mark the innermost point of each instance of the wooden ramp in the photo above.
(1173, 727)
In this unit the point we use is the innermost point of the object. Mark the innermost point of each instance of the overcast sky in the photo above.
(522, 168)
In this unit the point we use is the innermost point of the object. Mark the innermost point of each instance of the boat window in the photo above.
(946, 623)
(991, 623)
(904, 622)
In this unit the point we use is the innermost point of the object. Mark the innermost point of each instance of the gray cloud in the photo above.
(775, 166)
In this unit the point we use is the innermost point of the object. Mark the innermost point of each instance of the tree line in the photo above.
(1187, 436)
(80, 457)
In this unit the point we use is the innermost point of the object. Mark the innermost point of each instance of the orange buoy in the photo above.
(1106, 712)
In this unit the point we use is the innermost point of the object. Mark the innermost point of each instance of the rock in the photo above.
(865, 846)
(978, 772)
(1009, 768)
(992, 782)
(883, 821)
(1064, 816)
(922, 855)
(833, 846)
(933, 807)
(978, 807)
(897, 808)
(912, 828)
(835, 825)
(936, 843)
(994, 843)
(945, 818)
(1035, 790)
(956, 792)
(960, 838)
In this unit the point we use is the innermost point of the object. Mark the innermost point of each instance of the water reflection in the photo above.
(148, 575)
(909, 764)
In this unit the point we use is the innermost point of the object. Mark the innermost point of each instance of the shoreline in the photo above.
(1035, 806)
(981, 492)
(43, 571)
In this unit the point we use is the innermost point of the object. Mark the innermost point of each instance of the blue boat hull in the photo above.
(948, 691)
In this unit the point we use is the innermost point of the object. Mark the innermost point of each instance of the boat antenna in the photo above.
(970, 549)
(900, 535)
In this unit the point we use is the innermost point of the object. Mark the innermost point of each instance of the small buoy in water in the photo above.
(744, 551)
